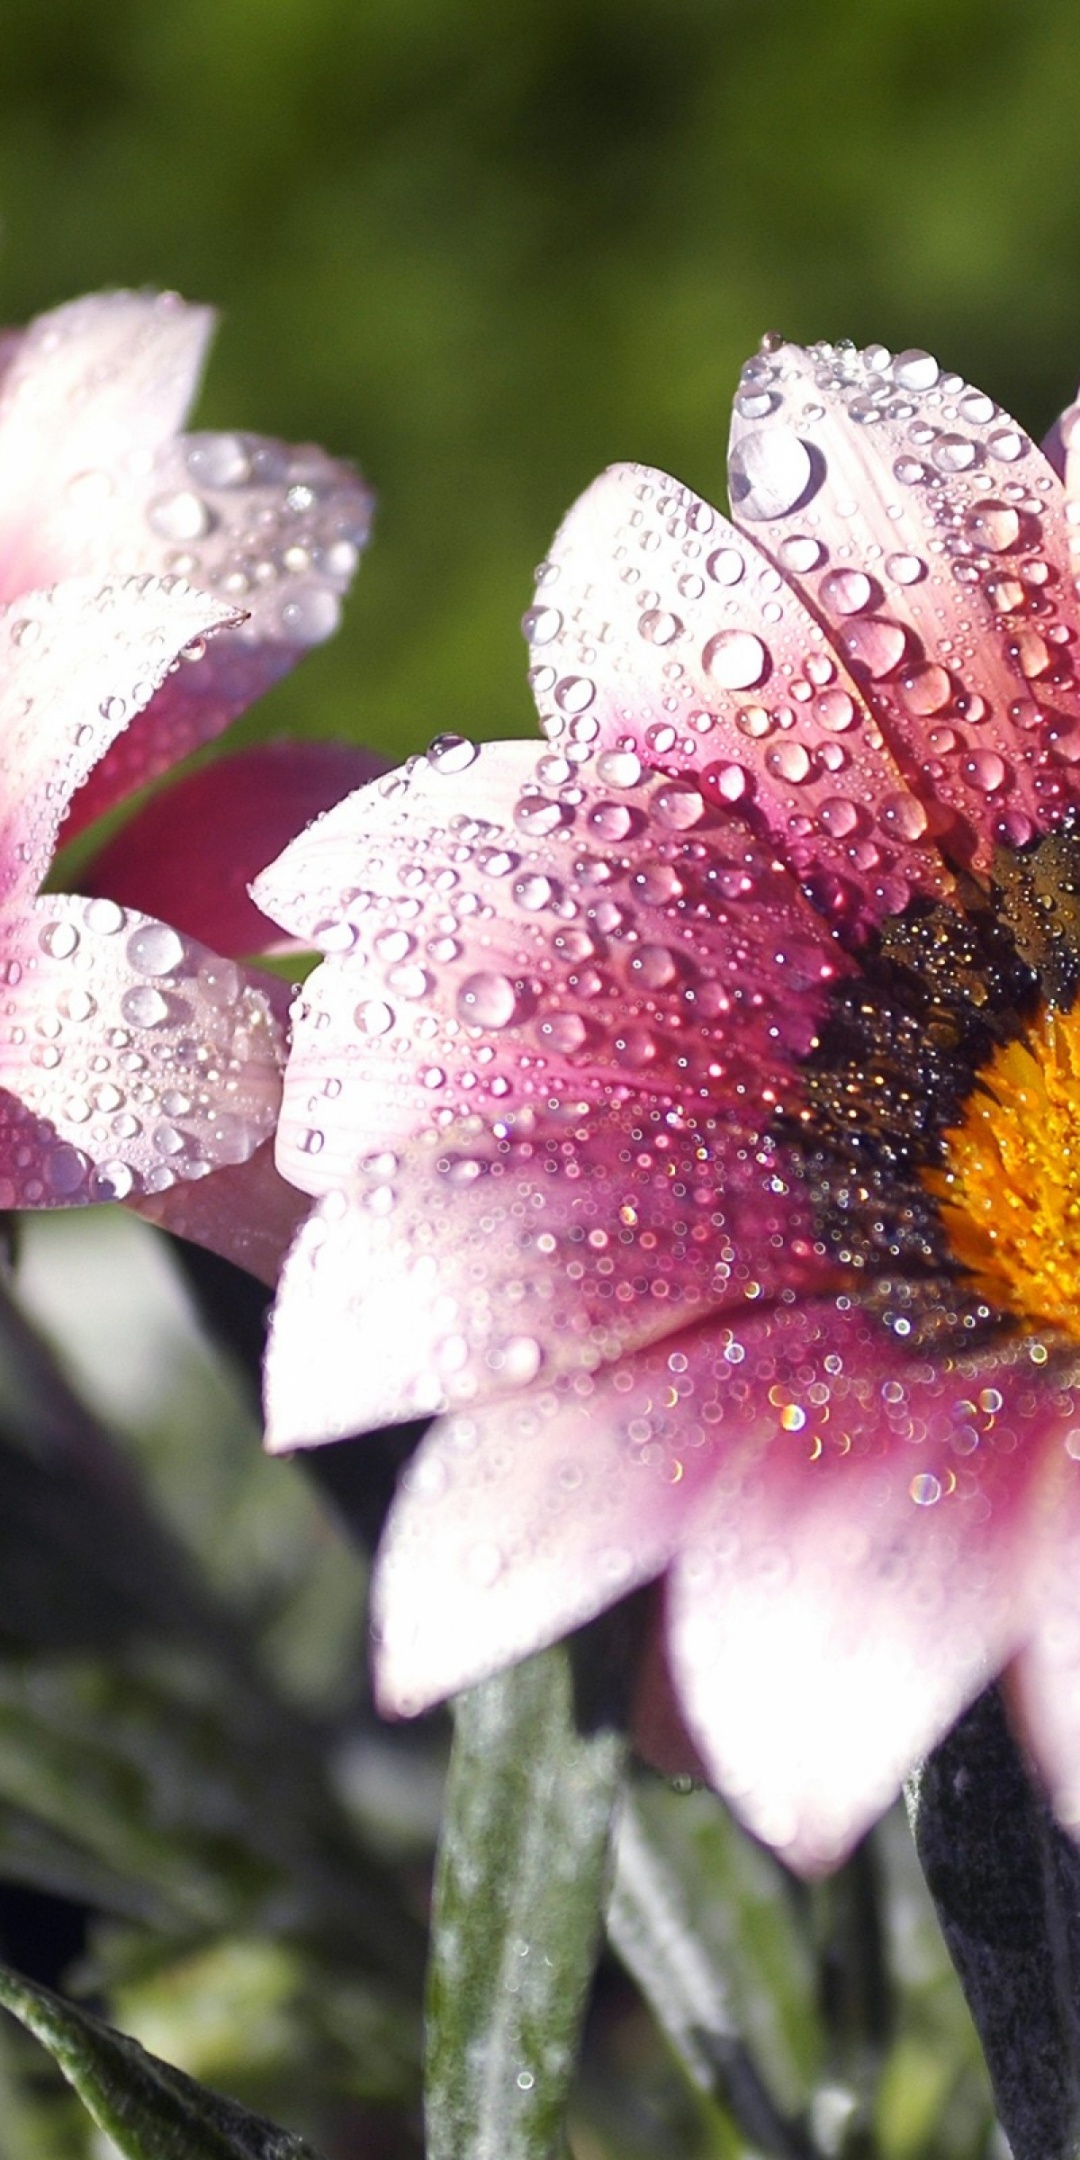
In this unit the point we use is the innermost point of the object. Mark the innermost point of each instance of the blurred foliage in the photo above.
(485, 248)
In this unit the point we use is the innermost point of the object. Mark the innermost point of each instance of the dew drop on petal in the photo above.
(994, 526)
(736, 659)
(104, 917)
(876, 644)
(183, 516)
(59, 940)
(487, 1000)
(769, 472)
(619, 768)
(846, 592)
(374, 1017)
(155, 949)
(452, 753)
(800, 554)
(905, 569)
(925, 689)
(144, 1006)
(915, 370)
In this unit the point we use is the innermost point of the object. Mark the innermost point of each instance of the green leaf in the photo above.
(522, 1876)
(653, 1922)
(148, 2109)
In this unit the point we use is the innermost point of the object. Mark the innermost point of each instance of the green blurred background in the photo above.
(486, 246)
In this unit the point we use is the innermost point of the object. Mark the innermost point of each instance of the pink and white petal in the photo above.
(929, 533)
(502, 940)
(473, 1264)
(1044, 1682)
(90, 392)
(274, 530)
(862, 1566)
(78, 661)
(245, 1212)
(189, 854)
(520, 1521)
(661, 630)
(142, 1057)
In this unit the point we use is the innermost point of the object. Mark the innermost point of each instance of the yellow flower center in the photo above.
(1009, 1187)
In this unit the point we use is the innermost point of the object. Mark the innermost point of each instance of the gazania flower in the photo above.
(693, 1106)
(131, 1055)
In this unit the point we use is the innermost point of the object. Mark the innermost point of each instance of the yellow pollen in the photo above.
(1009, 1187)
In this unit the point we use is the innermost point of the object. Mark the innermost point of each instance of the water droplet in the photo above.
(533, 893)
(409, 980)
(846, 592)
(574, 694)
(836, 711)
(374, 1017)
(994, 526)
(104, 917)
(155, 949)
(727, 566)
(769, 472)
(611, 820)
(903, 815)
(112, 1181)
(915, 370)
(954, 453)
(58, 939)
(619, 768)
(800, 554)
(541, 625)
(563, 1032)
(986, 771)
(452, 753)
(218, 461)
(517, 1360)
(736, 659)
(144, 1006)
(487, 1000)
(905, 569)
(66, 1169)
(925, 689)
(183, 516)
(679, 806)
(658, 627)
(1007, 444)
(875, 644)
(838, 816)
(925, 1489)
(311, 615)
(788, 761)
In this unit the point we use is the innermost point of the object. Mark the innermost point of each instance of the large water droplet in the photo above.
(619, 768)
(915, 370)
(769, 472)
(183, 516)
(155, 949)
(374, 1017)
(144, 1006)
(994, 526)
(659, 627)
(925, 689)
(875, 644)
(736, 659)
(487, 1000)
(846, 592)
(541, 625)
(452, 753)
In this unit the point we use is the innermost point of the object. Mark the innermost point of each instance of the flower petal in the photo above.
(132, 1056)
(473, 1263)
(78, 662)
(245, 1212)
(502, 941)
(90, 393)
(520, 1521)
(278, 532)
(929, 533)
(189, 854)
(854, 1579)
(658, 625)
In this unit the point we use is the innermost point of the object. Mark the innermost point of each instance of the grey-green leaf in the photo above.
(1006, 1882)
(148, 2109)
(522, 1878)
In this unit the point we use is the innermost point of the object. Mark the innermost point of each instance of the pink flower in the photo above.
(131, 1055)
(690, 1107)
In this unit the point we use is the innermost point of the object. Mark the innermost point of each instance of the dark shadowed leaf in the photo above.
(148, 2109)
(1006, 1882)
